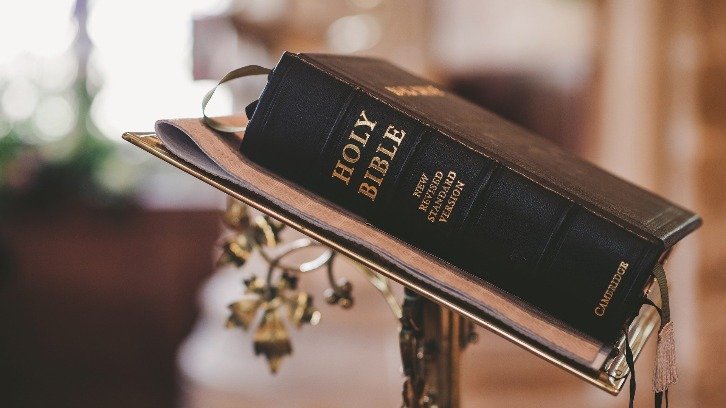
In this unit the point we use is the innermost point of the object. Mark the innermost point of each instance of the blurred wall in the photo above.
(97, 303)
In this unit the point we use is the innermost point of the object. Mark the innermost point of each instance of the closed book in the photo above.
(445, 176)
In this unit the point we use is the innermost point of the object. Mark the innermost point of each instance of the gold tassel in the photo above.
(665, 361)
(665, 372)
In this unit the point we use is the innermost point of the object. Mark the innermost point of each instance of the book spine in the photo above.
(415, 183)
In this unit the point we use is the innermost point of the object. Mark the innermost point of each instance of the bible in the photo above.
(447, 177)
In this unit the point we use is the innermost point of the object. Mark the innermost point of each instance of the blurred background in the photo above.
(108, 291)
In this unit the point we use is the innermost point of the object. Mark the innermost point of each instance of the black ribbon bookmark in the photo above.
(665, 373)
(630, 360)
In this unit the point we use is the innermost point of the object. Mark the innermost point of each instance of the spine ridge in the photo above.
(481, 199)
(404, 166)
(334, 129)
(555, 241)
(485, 178)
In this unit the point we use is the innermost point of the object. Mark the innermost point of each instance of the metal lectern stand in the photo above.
(431, 337)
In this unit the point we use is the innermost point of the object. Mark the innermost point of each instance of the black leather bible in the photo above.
(454, 180)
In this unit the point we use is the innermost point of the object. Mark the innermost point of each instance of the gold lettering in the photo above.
(342, 172)
(392, 133)
(441, 196)
(610, 290)
(430, 191)
(379, 165)
(378, 180)
(390, 154)
(397, 90)
(415, 90)
(359, 139)
(347, 157)
(363, 121)
(420, 185)
(380, 161)
(368, 191)
(351, 152)
(453, 198)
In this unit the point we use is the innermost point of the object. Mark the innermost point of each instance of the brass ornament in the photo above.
(236, 216)
(340, 294)
(271, 340)
(266, 295)
(302, 311)
(243, 312)
(236, 250)
(271, 295)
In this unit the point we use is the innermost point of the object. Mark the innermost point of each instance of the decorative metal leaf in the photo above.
(236, 250)
(243, 312)
(264, 233)
(237, 215)
(290, 279)
(271, 340)
(255, 284)
(302, 310)
(341, 294)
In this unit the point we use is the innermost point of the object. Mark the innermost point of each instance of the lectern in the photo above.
(435, 324)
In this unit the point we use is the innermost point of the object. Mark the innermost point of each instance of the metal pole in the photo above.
(431, 339)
